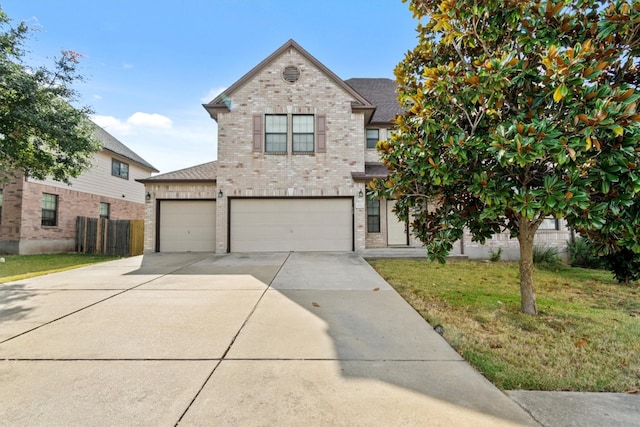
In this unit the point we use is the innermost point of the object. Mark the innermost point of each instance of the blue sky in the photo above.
(150, 64)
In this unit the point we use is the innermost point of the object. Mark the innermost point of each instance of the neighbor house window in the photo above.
(373, 135)
(0, 206)
(119, 169)
(302, 134)
(549, 224)
(275, 133)
(49, 210)
(104, 210)
(373, 216)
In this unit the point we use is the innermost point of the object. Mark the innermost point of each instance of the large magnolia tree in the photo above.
(517, 111)
(41, 133)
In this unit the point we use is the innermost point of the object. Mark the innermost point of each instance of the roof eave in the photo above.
(214, 109)
(181, 180)
(362, 176)
(368, 111)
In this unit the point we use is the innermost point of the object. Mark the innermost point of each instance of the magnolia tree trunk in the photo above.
(527, 291)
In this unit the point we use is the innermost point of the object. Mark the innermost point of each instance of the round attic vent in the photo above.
(291, 74)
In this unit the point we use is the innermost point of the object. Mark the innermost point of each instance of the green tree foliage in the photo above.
(516, 111)
(41, 133)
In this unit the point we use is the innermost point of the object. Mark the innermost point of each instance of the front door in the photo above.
(396, 229)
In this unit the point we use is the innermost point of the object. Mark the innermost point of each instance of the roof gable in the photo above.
(221, 102)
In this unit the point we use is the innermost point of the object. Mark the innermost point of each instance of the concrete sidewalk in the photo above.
(239, 339)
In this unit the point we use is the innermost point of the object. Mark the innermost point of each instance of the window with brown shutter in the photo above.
(321, 130)
(257, 132)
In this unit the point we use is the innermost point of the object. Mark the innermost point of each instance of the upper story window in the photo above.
(373, 135)
(49, 210)
(119, 169)
(307, 133)
(302, 135)
(105, 209)
(275, 133)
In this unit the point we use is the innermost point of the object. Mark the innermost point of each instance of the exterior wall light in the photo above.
(148, 196)
(220, 194)
(360, 194)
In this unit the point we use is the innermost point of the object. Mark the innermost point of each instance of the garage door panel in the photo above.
(187, 225)
(282, 225)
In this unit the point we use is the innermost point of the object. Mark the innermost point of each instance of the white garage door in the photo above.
(283, 225)
(187, 226)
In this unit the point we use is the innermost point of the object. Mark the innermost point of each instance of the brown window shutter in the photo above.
(257, 132)
(321, 126)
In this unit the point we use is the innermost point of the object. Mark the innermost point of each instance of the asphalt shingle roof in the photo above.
(381, 93)
(204, 172)
(109, 142)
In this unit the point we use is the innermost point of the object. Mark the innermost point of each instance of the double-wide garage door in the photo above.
(283, 225)
(187, 226)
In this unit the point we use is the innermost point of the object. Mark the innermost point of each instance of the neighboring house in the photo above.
(296, 150)
(40, 216)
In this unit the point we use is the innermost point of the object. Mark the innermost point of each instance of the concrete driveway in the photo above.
(238, 339)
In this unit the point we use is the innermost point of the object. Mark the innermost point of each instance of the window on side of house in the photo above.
(1, 205)
(549, 224)
(49, 210)
(275, 133)
(373, 135)
(105, 210)
(373, 216)
(119, 169)
(302, 133)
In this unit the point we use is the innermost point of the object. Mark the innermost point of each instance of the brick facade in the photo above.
(245, 173)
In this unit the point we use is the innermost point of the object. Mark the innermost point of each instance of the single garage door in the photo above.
(187, 226)
(283, 225)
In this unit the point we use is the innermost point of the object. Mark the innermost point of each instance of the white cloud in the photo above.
(127, 66)
(132, 124)
(150, 120)
(97, 97)
(212, 94)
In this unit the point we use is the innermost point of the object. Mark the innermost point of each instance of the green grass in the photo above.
(585, 338)
(17, 267)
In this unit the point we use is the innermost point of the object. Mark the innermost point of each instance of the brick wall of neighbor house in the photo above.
(37, 239)
(177, 190)
(11, 214)
(241, 172)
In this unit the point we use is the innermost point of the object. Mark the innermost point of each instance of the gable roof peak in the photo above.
(221, 102)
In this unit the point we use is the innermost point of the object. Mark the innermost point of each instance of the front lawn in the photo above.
(586, 337)
(17, 267)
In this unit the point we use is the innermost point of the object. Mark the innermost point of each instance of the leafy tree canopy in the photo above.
(41, 133)
(517, 111)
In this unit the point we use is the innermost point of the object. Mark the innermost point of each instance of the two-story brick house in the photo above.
(39, 216)
(296, 150)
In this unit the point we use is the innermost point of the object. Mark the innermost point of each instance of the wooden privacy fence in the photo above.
(109, 237)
